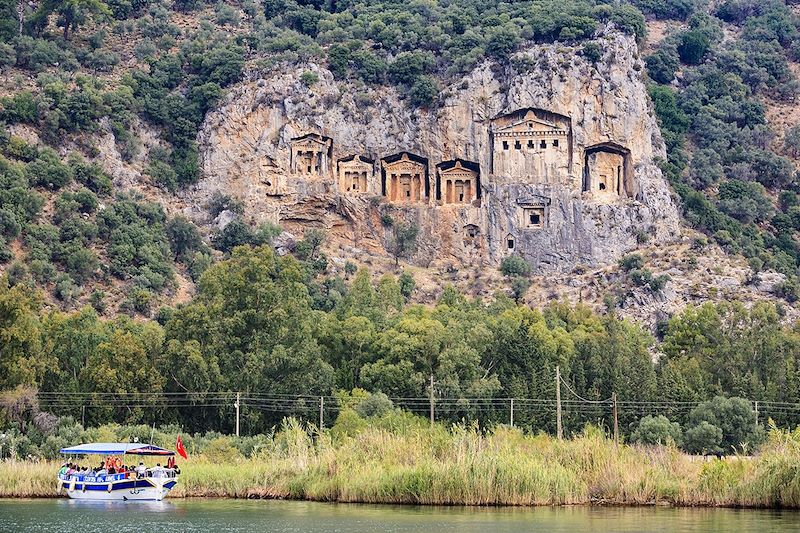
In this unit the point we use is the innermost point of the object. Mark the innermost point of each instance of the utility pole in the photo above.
(756, 412)
(431, 399)
(321, 409)
(559, 431)
(616, 421)
(237, 413)
(512, 412)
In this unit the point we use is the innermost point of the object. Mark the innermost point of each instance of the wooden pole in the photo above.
(616, 420)
(559, 430)
(431, 400)
(237, 412)
(756, 412)
(512, 412)
(321, 410)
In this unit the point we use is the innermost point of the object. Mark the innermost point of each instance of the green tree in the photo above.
(184, 237)
(733, 416)
(704, 438)
(514, 265)
(22, 359)
(657, 430)
(403, 242)
(252, 315)
(424, 91)
(72, 13)
(693, 47)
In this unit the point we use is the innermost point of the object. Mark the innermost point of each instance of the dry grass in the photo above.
(463, 466)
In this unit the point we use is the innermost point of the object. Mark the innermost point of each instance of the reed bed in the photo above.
(463, 466)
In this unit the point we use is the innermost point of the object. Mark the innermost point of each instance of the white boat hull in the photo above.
(147, 489)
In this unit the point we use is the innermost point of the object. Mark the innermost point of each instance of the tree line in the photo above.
(258, 325)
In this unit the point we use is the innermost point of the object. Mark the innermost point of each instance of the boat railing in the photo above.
(106, 478)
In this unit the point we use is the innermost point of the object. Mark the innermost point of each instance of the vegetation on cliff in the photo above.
(736, 178)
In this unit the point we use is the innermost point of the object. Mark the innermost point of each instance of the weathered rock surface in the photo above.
(245, 151)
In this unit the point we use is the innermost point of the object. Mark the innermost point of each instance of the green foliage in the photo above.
(48, 171)
(662, 64)
(631, 262)
(519, 286)
(733, 416)
(667, 9)
(407, 284)
(704, 438)
(19, 108)
(138, 248)
(693, 47)
(744, 200)
(403, 241)
(184, 237)
(309, 78)
(657, 430)
(424, 91)
(220, 202)
(592, 52)
(71, 13)
(514, 265)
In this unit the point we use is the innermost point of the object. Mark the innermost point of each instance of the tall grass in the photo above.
(465, 466)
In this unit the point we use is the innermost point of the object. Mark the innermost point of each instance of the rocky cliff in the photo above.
(556, 218)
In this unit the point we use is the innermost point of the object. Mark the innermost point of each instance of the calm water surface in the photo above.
(232, 516)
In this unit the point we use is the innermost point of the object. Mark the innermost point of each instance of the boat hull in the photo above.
(148, 489)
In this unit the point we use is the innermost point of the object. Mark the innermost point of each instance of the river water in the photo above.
(233, 516)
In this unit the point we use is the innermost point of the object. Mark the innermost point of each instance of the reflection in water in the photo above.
(234, 516)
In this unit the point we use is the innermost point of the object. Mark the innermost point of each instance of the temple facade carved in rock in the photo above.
(311, 155)
(458, 182)
(531, 145)
(355, 174)
(404, 178)
(530, 187)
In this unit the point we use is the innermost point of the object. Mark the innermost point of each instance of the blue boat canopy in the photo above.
(116, 448)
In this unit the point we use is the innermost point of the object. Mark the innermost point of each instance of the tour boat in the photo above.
(152, 485)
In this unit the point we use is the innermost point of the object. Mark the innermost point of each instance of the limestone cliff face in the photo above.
(549, 157)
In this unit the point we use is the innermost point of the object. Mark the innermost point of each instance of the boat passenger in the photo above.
(63, 470)
(141, 471)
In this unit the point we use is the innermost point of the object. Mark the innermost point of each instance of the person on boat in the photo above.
(141, 471)
(63, 470)
(158, 470)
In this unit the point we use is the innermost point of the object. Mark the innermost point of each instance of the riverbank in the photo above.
(464, 467)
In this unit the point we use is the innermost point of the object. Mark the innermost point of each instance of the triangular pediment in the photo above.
(310, 139)
(529, 124)
(533, 200)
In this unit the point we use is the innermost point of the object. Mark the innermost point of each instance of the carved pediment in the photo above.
(458, 172)
(534, 200)
(530, 124)
(311, 141)
(404, 165)
(355, 163)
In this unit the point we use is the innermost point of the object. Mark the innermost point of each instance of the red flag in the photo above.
(180, 449)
